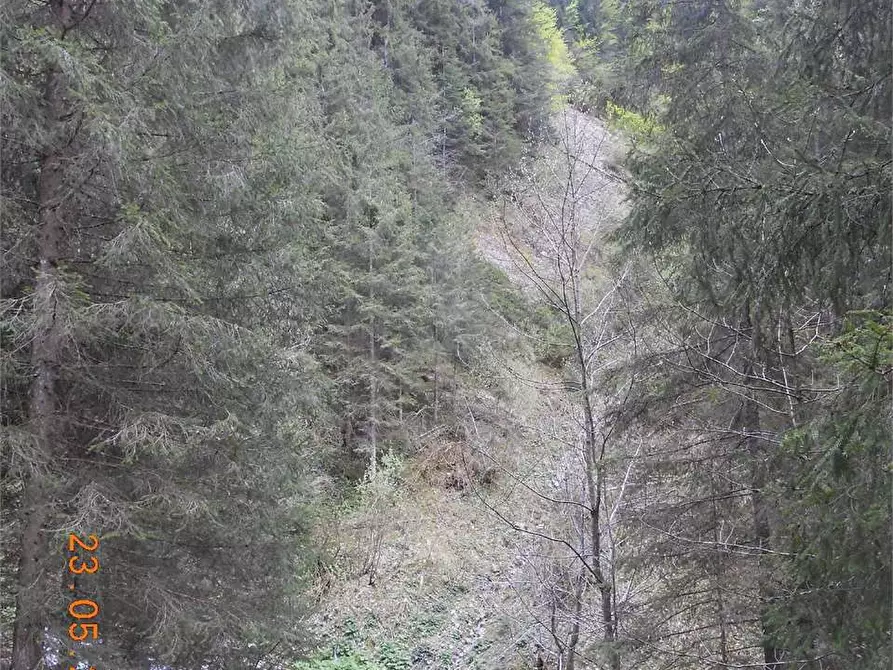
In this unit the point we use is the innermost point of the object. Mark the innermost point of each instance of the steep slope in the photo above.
(433, 564)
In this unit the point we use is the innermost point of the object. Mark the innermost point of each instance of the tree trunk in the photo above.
(750, 426)
(574, 638)
(46, 358)
(373, 393)
(28, 627)
(594, 461)
(595, 486)
(718, 574)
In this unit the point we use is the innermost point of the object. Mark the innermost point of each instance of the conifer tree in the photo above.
(230, 247)
(763, 201)
(141, 406)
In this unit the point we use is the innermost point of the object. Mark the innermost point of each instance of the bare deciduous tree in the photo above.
(552, 224)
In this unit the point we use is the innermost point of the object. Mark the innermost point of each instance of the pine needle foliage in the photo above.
(233, 266)
(761, 214)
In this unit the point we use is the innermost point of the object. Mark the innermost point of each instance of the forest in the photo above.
(446, 334)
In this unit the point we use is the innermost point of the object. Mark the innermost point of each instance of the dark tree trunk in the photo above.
(750, 425)
(28, 628)
(595, 475)
(46, 358)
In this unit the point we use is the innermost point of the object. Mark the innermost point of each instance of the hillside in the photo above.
(424, 334)
(431, 563)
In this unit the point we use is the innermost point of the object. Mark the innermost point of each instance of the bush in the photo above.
(556, 345)
(352, 661)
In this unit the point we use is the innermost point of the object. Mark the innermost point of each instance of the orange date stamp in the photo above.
(83, 611)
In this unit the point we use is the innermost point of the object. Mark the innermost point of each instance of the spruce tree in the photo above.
(762, 198)
(141, 406)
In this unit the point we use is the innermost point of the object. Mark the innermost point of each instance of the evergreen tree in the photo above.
(132, 134)
(231, 249)
(762, 196)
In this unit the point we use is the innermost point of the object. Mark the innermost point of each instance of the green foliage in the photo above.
(474, 76)
(471, 108)
(168, 400)
(837, 518)
(391, 657)
(352, 661)
(555, 345)
(264, 281)
(864, 348)
(557, 53)
(635, 125)
(388, 656)
(760, 198)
